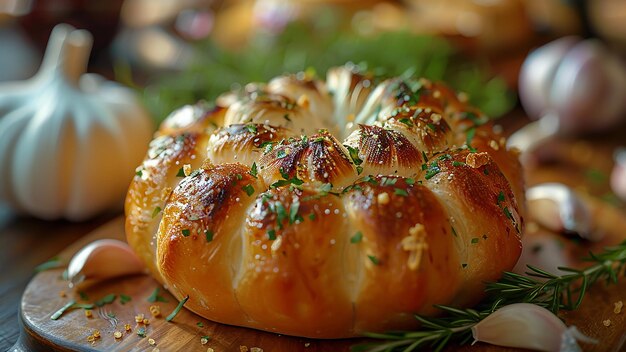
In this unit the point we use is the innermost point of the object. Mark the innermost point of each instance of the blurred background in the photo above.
(182, 51)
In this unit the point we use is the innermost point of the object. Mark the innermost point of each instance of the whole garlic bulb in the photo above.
(69, 141)
(579, 81)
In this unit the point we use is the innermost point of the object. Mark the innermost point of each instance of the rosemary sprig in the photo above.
(553, 292)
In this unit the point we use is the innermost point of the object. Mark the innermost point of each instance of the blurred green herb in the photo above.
(300, 47)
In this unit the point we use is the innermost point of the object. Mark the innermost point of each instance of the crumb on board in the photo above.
(146, 322)
(256, 349)
(210, 350)
(88, 313)
(617, 307)
(62, 294)
(155, 310)
(139, 318)
(204, 340)
(151, 342)
(243, 348)
(307, 344)
(156, 350)
(117, 335)
(96, 334)
(607, 322)
(127, 327)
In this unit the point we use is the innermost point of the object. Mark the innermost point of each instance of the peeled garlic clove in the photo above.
(558, 208)
(534, 134)
(618, 175)
(525, 325)
(103, 259)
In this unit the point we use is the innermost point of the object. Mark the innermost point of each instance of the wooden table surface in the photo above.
(26, 242)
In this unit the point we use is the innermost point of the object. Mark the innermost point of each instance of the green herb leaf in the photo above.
(108, 299)
(271, 235)
(56, 315)
(156, 212)
(409, 181)
(474, 240)
(180, 173)
(186, 232)
(357, 237)
(293, 212)
(249, 190)
(208, 234)
(354, 155)
(141, 332)
(253, 170)
(177, 309)
(83, 306)
(251, 128)
(200, 324)
(281, 154)
(125, 299)
(374, 260)
(400, 192)
(155, 297)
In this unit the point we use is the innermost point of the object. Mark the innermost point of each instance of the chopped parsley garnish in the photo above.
(293, 213)
(406, 121)
(251, 129)
(139, 173)
(354, 155)
(432, 170)
(108, 299)
(253, 170)
(312, 216)
(56, 315)
(208, 234)
(410, 181)
(474, 240)
(186, 232)
(141, 332)
(359, 169)
(156, 211)
(281, 214)
(501, 197)
(200, 324)
(271, 234)
(155, 297)
(83, 296)
(388, 181)
(239, 176)
(444, 157)
(281, 154)
(469, 137)
(432, 127)
(374, 260)
(458, 163)
(400, 192)
(177, 309)
(286, 116)
(485, 171)
(125, 299)
(424, 156)
(358, 236)
(181, 173)
(454, 232)
(249, 190)
(267, 146)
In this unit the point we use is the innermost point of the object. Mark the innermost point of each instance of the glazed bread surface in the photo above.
(329, 208)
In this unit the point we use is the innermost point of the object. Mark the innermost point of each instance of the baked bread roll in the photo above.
(327, 209)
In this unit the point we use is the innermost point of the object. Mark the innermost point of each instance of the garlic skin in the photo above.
(618, 175)
(69, 142)
(103, 259)
(558, 208)
(525, 325)
(579, 81)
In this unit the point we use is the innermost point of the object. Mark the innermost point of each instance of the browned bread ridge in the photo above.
(327, 209)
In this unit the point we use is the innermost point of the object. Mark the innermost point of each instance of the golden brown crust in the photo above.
(268, 220)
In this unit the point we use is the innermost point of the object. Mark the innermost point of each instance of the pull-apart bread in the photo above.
(327, 208)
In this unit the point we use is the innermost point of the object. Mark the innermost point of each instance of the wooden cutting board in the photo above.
(47, 292)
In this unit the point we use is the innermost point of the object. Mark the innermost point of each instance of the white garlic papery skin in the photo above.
(525, 325)
(580, 81)
(618, 175)
(103, 259)
(69, 142)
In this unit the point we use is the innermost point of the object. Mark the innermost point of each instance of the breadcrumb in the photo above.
(151, 342)
(618, 307)
(607, 323)
(117, 335)
(139, 318)
(256, 349)
(88, 313)
(155, 311)
(243, 348)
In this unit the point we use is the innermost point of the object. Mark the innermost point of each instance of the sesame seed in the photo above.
(327, 211)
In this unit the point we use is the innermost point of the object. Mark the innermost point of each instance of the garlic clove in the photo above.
(525, 325)
(618, 175)
(103, 259)
(558, 208)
